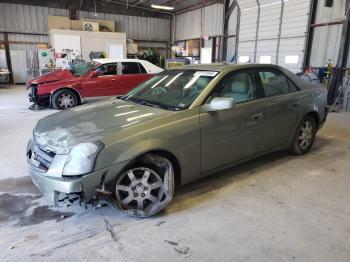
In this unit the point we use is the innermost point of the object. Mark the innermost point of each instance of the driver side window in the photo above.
(240, 86)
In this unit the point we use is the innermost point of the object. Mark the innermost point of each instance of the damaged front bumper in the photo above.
(53, 185)
(34, 97)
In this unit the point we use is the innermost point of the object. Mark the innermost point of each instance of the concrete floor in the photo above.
(276, 208)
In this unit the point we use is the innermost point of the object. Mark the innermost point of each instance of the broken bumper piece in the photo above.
(85, 186)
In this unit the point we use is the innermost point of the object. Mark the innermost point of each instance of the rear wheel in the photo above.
(304, 136)
(147, 187)
(64, 99)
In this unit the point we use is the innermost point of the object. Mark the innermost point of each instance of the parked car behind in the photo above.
(66, 88)
(174, 128)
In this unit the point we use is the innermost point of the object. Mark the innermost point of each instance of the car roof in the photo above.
(223, 66)
(115, 60)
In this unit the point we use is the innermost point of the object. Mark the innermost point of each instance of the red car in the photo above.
(66, 88)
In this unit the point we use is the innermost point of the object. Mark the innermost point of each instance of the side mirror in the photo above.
(96, 73)
(221, 103)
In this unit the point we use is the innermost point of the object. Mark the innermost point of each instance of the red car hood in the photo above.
(57, 75)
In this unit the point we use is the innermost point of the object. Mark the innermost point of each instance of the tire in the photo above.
(64, 99)
(304, 136)
(146, 187)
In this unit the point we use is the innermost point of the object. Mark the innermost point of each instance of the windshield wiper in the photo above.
(146, 103)
(151, 104)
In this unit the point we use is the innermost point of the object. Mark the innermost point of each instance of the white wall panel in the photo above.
(188, 25)
(267, 48)
(265, 16)
(293, 32)
(232, 23)
(248, 27)
(292, 47)
(206, 21)
(325, 45)
(246, 49)
(247, 4)
(326, 39)
(269, 22)
(212, 20)
(295, 18)
(326, 14)
(248, 24)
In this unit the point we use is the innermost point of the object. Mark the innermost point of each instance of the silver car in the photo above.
(176, 127)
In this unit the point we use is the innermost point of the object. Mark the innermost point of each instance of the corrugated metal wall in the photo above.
(326, 39)
(33, 19)
(188, 25)
(212, 20)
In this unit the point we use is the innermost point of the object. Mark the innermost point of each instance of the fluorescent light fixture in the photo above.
(163, 7)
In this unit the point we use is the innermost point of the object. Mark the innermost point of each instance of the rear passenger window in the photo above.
(274, 82)
(292, 86)
(130, 68)
(239, 85)
(142, 69)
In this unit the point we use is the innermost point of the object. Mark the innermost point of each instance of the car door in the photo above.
(101, 81)
(233, 134)
(130, 75)
(281, 107)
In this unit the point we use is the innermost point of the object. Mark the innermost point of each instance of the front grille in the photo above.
(41, 158)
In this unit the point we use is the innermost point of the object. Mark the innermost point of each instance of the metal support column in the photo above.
(8, 56)
(310, 34)
(257, 32)
(279, 33)
(237, 33)
(228, 9)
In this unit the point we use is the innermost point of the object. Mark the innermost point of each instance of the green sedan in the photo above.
(175, 128)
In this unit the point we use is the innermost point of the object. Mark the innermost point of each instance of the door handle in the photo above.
(257, 116)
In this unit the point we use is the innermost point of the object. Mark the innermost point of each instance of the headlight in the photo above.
(82, 158)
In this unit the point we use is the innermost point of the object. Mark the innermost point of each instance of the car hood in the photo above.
(57, 75)
(95, 121)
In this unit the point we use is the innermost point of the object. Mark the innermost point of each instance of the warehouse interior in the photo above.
(274, 207)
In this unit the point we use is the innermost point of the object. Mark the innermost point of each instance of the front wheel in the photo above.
(64, 99)
(304, 136)
(147, 187)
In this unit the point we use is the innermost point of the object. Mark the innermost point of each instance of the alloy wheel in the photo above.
(139, 189)
(66, 101)
(306, 135)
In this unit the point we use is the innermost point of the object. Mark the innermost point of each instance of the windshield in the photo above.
(80, 69)
(172, 89)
